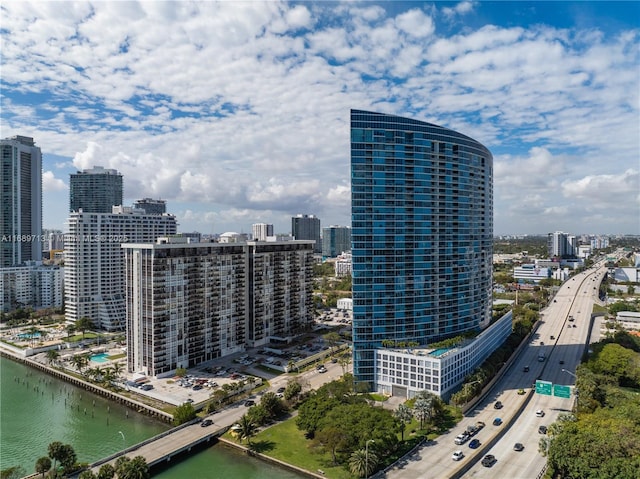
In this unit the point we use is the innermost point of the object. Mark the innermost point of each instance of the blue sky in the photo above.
(238, 112)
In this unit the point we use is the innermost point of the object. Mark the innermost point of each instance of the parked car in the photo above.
(457, 455)
(474, 443)
(280, 390)
(206, 422)
(489, 460)
(146, 387)
(542, 430)
(539, 413)
(518, 447)
(249, 403)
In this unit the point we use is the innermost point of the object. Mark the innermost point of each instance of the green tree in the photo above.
(53, 357)
(68, 458)
(247, 428)
(404, 415)
(333, 339)
(292, 390)
(43, 464)
(83, 324)
(136, 468)
(183, 413)
(15, 472)
(181, 372)
(107, 471)
(121, 465)
(272, 404)
(87, 474)
(614, 360)
(55, 452)
(70, 328)
(362, 462)
(330, 439)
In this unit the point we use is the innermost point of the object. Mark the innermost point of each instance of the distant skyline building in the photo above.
(95, 190)
(94, 277)
(307, 227)
(261, 231)
(422, 238)
(335, 241)
(151, 206)
(561, 244)
(191, 303)
(20, 201)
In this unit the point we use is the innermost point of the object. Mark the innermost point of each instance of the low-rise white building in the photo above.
(33, 284)
(629, 320)
(343, 264)
(345, 303)
(404, 372)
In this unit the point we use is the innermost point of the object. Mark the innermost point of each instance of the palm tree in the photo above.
(43, 465)
(247, 429)
(118, 368)
(83, 324)
(404, 415)
(136, 468)
(363, 462)
(80, 361)
(52, 357)
(422, 410)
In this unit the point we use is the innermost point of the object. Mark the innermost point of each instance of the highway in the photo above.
(520, 423)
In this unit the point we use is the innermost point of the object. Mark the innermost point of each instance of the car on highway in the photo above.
(474, 444)
(497, 421)
(518, 446)
(497, 405)
(461, 438)
(539, 413)
(521, 392)
(206, 422)
(249, 403)
(489, 460)
(525, 369)
(542, 430)
(561, 361)
(457, 455)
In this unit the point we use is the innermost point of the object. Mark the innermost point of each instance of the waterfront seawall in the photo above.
(118, 398)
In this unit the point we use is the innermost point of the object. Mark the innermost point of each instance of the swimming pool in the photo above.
(37, 334)
(439, 352)
(100, 358)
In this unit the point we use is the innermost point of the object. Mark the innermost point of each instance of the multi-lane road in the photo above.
(563, 346)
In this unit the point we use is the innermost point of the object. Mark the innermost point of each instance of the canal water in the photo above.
(37, 409)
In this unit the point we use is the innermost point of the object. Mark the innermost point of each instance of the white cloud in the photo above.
(243, 107)
(51, 183)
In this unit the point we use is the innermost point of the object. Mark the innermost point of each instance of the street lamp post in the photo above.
(123, 440)
(575, 405)
(366, 458)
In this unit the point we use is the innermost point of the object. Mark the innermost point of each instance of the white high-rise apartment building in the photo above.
(20, 201)
(94, 261)
(188, 303)
(261, 231)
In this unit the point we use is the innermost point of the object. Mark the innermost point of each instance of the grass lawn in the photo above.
(285, 442)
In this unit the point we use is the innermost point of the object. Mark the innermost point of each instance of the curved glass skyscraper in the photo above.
(422, 228)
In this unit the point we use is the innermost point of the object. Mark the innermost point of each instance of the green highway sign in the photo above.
(543, 387)
(561, 391)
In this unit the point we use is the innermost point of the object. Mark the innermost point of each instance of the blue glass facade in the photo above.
(421, 232)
